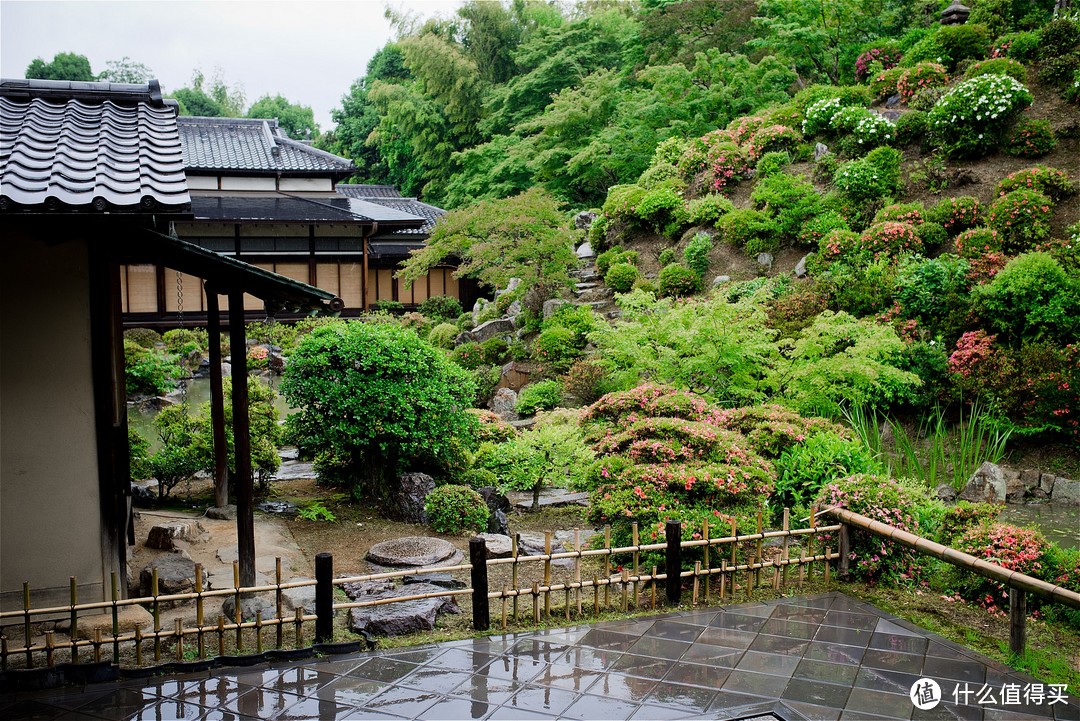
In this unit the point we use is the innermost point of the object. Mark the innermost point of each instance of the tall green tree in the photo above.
(214, 98)
(64, 66)
(126, 70)
(297, 120)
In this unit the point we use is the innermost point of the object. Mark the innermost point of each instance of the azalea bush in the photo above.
(542, 395)
(771, 138)
(971, 120)
(872, 177)
(1021, 218)
(1030, 139)
(958, 214)
(1032, 298)
(886, 57)
(921, 77)
(621, 277)
(1055, 184)
(678, 281)
(456, 509)
(1017, 549)
(889, 239)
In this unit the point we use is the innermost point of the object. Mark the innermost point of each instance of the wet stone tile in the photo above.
(698, 618)
(675, 631)
(893, 661)
(757, 684)
(691, 698)
(816, 692)
(350, 691)
(727, 700)
(541, 698)
(739, 622)
(846, 636)
(621, 686)
(460, 709)
(719, 656)
(779, 644)
(727, 637)
(772, 663)
(513, 668)
(869, 701)
(486, 689)
(949, 712)
(642, 666)
(437, 680)
(789, 628)
(462, 659)
(834, 653)
(812, 712)
(593, 659)
(659, 648)
(898, 642)
(956, 669)
(566, 677)
(539, 648)
(406, 702)
(648, 712)
(695, 674)
(515, 714)
(851, 619)
(383, 669)
(838, 673)
(609, 640)
(597, 707)
(885, 680)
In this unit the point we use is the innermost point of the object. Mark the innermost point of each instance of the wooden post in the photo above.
(607, 567)
(845, 552)
(673, 535)
(697, 581)
(157, 614)
(97, 645)
(49, 649)
(237, 615)
(74, 621)
(298, 628)
(245, 484)
(750, 577)
(652, 606)
(221, 634)
(708, 576)
(515, 540)
(734, 548)
(481, 608)
(723, 578)
(547, 575)
(637, 557)
(504, 590)
(279, 603)
(115, 590)
(324, 597)
(595, 595)
(29, 638)
(828, 567)
(784, 553)
(625, 590)
(1017, 621)
(199, 609)
(217, 400)
(258, 633)
(810, 543)
(536, 603)
(179, 640)
(138, 646)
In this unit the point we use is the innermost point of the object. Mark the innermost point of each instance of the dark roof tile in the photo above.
(368, 191)
(388, 197)
(296, 209)
(89, 146)
(252, 146)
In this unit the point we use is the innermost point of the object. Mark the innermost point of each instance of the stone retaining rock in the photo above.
(986, 485)
(494, 328)
(164, 536)
(175, 575)
(503, 404)
(1066, 492)
(497, 545)
(397, 619)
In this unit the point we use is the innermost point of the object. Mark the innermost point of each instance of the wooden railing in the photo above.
(1019, 584)
(717, 575)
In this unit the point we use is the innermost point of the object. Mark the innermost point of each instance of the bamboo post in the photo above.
(504, 607)
(1017, 620)
(750, 577)
(258, 633)
(723, 578)
(179, 640)
(734, 548)
(138, 646)
(157, 615)
(828, 568)
(115, 589)
(74, 621)
(673, 557)
(784, 553)
(705, 535)
(810, 543)
(697, 577)
(625, 590)
(481, 607)
(514, 540)
(279, 603)
(844, 567)
(566, 605)
(637, 558)
(324, 598)
(595, 596)
(547, 575)
(802, 565)
(653, 584)
(199, 618)
(536, 603)
(221, 634)
(607, 567)
(776, 578)
(577, 569)
(238, 616)
(49, 649)
(298, 626)
(26, 625)
(757, 551)
(97, 645)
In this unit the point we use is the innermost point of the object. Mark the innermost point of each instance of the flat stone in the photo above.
(497, 545)
(175, 575)
(986, 485)
(442, 580)
(567, 537)
(293, 470)
(410, 551)
(720, 280)
(1014, 486)
(363, 589)
(585, 250)
(494, 328)
(1030, 478)
(302, 597)
(222, 513)
(283, 508)
(532, 544)
(524, 424)
(164, 536)
(800, 267)
(946, 492)
(584, 285)
(1066, 492)
(397, 619)
(250, 608)
(129, 618)
(765, 260)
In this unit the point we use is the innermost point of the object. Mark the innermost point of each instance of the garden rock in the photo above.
(164, 536)
(820, 151)
(550, 497)
(366, 588)
(294, 470)
(1030, 478)
(1047, 482)
(892, 101)
(494, 328)
(175, 575)
(946, 493)
(497, 545)
(585, 250)
(250, 608)
(551, 305)
(302, 598)
(504, 404)
(129, 618)
(800, 267)
(498, 505)
(397, 619)
(144, 494)
(584, 219)
(408, 504)
(442, 580)
(415, 551)
(1066, 492)
(986, 485)
(532, 544)
(1014, 485)
(765, 260)
(720, 280)
(222, 513)
(284, 508)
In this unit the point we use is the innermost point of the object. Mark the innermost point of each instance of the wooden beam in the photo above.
(245, 490)
(217, 400)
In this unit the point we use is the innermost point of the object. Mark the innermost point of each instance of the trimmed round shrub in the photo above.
(887, 57)
(1022, 46)
(478, 478)
(957, 214)
(656, 174)
(696, 253)
(1030, 139)
(803, 468)
(972, 118)
(1054, 183)
(585, 380)
(873, 177)
(837, 243)
(143, 337)
(728, 164)
(871, 131)
(818, 119)
(1021, 218)
(620, 277)
(951, 44)
(456, 509)
(773, 138)
(1031, 298)
(912, 213)
(921, 77)
(709, 209)
(1059, 37)
(1058, 71)
(1072, 90)
(440, 307)
(926, 99)
(557, 347)
(998, 66)
(442, 335)
(745, 226)
(610, 257)
(977, 242)
(468, 355)
(1017, 549)
(539, 396)
(884, 83)
(772, 163)
(911, 127)
(819, 226)
(890, 239)
(678, 280)
(667, 256)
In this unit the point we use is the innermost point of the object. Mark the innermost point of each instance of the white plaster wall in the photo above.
(306, 184)
(202, 182)
(237, 183)
(50, 519)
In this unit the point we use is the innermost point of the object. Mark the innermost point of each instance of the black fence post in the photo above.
(845, 552)
(673, 534)
(1017, 620)
(324, 598)
(481, 611)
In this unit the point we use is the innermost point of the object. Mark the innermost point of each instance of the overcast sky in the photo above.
(310, 52)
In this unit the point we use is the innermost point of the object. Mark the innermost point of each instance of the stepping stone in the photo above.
(397, 619)
(129, 617)
(410, 551)
(497, 545)
(164, 536)
(176, 574)
(294, 470)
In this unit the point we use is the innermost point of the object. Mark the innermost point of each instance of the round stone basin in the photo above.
(411, 551)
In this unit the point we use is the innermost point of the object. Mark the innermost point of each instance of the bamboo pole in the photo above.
(607, 566)
(179, 640)
(577, 569)
(810, 542)
(514, 540)
(258, 633)
(115, 589)
(596, 596)
(653, 584)
(157, 614)
(298, 624)
(221, 634)
(504, 599)
(637, 556)
(566, 605)
(547, 574)
(97, 645)
(49, 649)
(199, 616)
(697, 577)
(625, 590)
(734, 545)
(784, 548)
(723, 578)
(138, 646)
(705, 536)
(238, 616)
(757, 551)
(828, 573)
(279, 604)
(536, 603)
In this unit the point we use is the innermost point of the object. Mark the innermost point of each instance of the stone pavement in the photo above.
(820, 657)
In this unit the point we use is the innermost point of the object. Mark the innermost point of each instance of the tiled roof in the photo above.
(296, 209)
(389, 197)
(253, 146)
(99, 147)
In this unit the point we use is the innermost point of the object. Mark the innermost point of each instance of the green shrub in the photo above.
(977, 243)
(883, 85)
(440, 307)
(468, 355)
(622, 201)
(656, 174)
(933, 291)
(1054, 183)
(789, 199)
(148, 371)
(911, 127)
(387, 306)
(186, 341)
(1059, 70)
(923, 76)
(1059, 37)
(557, 347)
(972, 119)
(598, 231)
(870, 178)
(998, 66)
(727, 164)
(494, 350)
(1003, 15)
(666, 257)
(139, 455)
(772, 163)
(478, 478)
(145, 337)
(669, 151)
(819, 226)
(485, 378)
(745, 227)
(610, 257)
(1030, 139)
(1021, 218)
(819, 116)
(912, 213)
(1031, 298)
(456, 509)
(890, 239)
(773, 138)
(676, 280)
(539, 396)
(958, 519)
(708, 209)
(803, 468)
(957, 214)
(620, 277)
(442, 335)
(585, 381)
(697, 252)
(847, 94)
(1020, 46)
(951, 44)
(662, 206)
(886, 56)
